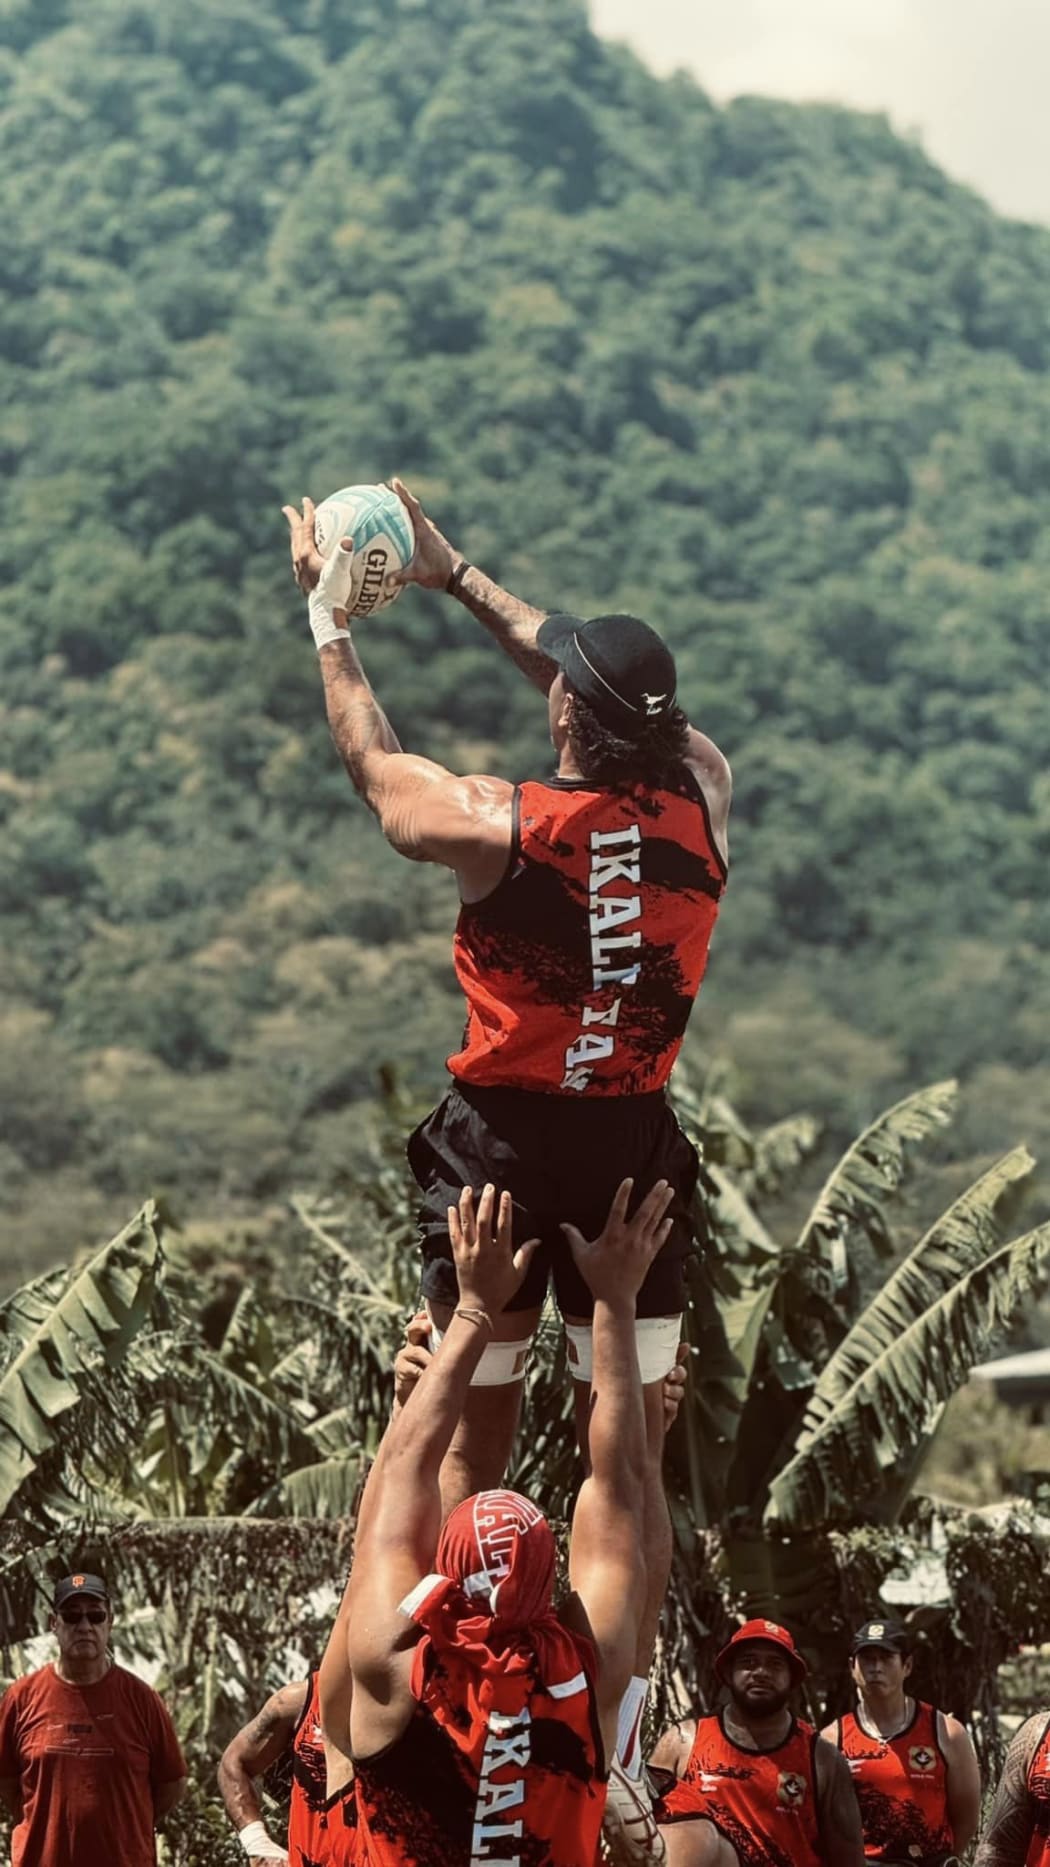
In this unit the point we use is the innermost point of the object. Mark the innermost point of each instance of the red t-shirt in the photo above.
(86, 1758)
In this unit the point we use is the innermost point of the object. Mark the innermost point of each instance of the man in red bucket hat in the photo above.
(754, 1786)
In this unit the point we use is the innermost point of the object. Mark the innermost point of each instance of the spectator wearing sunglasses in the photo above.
(89, 1760)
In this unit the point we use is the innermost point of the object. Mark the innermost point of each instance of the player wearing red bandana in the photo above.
(481, 1720)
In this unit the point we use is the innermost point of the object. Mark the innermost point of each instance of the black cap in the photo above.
(73, 1586)
(617, 664)
(892, 1635)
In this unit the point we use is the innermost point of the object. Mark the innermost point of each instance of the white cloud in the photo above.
(969, 76)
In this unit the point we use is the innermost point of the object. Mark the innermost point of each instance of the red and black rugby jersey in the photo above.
(763, 1801)
(1038, 1854)
(902, 1787)
(524, 1785)
(317, 1824)
(580, 969)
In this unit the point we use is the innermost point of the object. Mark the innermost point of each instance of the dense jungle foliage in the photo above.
(762, 373)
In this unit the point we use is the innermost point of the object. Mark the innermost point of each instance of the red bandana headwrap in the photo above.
(487, 1613)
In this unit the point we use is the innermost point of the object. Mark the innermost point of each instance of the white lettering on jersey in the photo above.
(507, 1749)
(614, 858)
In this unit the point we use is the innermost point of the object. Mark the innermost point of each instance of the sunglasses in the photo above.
(73, 1616)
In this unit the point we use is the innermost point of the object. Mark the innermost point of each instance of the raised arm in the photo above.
(606, 1559)
(437, 565)
(425, 812)
(258, 1744)
(1008, 1834)
(401, 1508)
(842, 1834)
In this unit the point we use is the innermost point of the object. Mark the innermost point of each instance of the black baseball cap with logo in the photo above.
(72, 1587)
(617, 664)
(892, 1635)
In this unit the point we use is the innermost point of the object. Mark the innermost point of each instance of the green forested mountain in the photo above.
(762, 374)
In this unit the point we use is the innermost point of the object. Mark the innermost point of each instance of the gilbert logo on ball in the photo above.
(376, 522)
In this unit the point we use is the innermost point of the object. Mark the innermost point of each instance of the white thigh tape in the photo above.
(656, 1340)
(501, 1362)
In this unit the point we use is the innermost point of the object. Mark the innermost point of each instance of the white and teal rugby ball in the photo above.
(376, 522)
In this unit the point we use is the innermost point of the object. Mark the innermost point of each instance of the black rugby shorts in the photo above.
(560, 1159)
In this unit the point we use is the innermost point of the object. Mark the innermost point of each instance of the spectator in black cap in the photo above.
(89, 1759)
(588, 903)
(914, 1768)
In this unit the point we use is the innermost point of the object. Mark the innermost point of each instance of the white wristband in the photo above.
(323, 625)
(331, 592)
(256, 1843)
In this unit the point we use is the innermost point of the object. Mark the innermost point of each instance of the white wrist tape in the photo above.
(331, 592)
(256, 1843)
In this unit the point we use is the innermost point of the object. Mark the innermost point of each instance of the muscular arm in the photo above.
(842, 1836)
(258, 1744)
(964, 1782)
(397, 1536)
(606, 1559)
(512, 623)
(1007, 1836)
(425, 812)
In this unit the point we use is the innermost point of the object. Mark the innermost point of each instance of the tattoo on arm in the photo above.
(1006, 1838)
(251, 1752)
(512, 623)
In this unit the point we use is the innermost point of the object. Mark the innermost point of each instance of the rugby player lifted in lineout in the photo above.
(588, 902)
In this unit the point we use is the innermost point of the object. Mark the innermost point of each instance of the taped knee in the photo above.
(656, 1343)
(501, 1364)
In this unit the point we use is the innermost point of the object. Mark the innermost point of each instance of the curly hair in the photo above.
(603, 757)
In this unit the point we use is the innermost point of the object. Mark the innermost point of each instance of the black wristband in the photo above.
(456, 576)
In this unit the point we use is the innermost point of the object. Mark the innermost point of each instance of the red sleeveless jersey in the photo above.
(1038, 1854)
(902, 1787)
(763, 1801)
(581, 967)
(526, 1785)
(319, 1827)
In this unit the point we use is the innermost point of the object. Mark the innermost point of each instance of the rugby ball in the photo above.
(379, 528)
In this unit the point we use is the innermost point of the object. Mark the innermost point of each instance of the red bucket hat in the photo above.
(774, 1635)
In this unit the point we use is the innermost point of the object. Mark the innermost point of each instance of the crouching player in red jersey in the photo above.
(481, 1721)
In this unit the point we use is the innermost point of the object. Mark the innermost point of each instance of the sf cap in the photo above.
(771, 1634)
(617, 664)
(73, 1586)
(892, 1635)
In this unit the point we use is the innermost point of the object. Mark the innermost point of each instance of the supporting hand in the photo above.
(487, 1266)
(412, 1358)
(674, 1385)
(613, 1265)
(432, 561)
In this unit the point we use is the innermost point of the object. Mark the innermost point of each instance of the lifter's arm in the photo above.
(401, 1508)
(606, 1558)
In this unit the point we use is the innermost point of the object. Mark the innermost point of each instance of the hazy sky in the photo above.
(969, 76)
